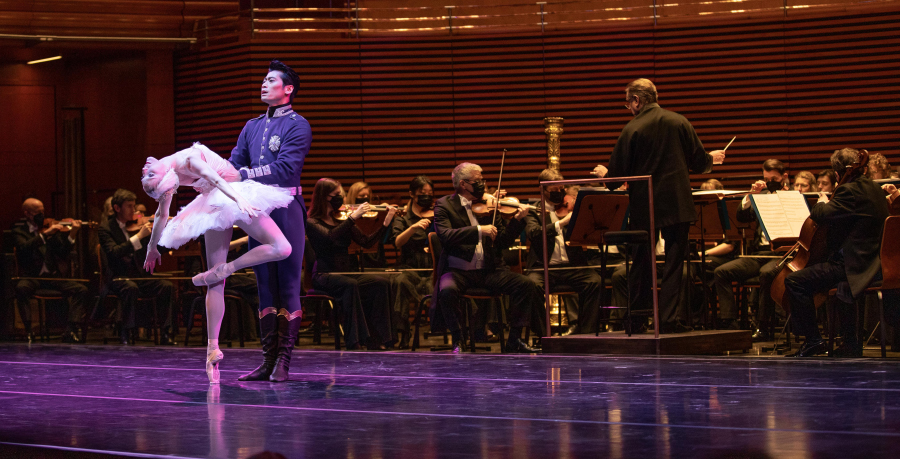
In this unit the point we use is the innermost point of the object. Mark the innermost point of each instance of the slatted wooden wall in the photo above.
(386, 109)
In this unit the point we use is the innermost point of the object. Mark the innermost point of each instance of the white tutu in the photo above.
(213, 210)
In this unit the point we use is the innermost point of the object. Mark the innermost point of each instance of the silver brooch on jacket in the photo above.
(274, 143)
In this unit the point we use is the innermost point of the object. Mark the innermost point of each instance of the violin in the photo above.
(370, 221)
(811, 247)
(508, 207)
(140, 220)
(68, 223)
(567, 206)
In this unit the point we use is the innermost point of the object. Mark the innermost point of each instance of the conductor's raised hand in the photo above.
(600, 171)
(718, 156)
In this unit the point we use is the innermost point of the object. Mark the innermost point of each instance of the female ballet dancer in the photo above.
(218, 207)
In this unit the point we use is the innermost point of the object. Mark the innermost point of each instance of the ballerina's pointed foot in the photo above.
(215, 275)
(213, 357)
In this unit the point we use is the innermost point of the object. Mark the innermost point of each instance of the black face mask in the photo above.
(774, 185)
(336, 202)
(362, 200)
(556, 197)
(478, 189)
(38, 220)
(425, 201)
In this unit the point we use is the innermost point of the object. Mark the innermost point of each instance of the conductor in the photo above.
(662, 144)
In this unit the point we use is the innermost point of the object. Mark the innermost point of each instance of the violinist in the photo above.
(586, 281)
(361, 193)
(471, 257)
(410, 235)
(879, 167)
(854, 219)
(125, 253)
(365, 322)
(745, 268)
(44, 251)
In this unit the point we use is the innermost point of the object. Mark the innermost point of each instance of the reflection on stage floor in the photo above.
(62, 400)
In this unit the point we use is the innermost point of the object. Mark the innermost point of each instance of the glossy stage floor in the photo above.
(90, 401)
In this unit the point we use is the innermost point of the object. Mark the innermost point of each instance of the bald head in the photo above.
(32, 207)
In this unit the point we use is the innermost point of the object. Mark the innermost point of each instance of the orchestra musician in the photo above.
(45, 252)
(586, 281)
(854, 219)
(125, 254)
(365, 322)
(410, 235)
(879, 167)
(662, 144)
(471, 257)
(805, 182)
(826, 180)
(361, 193)
(745, 268)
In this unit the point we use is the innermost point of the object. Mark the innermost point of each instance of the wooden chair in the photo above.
(890, 274)
(42, 296)
(320, 299)
(434, 245)
(103, 289)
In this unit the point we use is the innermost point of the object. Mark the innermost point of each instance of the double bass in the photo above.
(811, 247)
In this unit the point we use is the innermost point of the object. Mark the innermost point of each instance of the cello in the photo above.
(811, 247)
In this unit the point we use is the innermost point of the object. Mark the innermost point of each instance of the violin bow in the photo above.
(499, 181)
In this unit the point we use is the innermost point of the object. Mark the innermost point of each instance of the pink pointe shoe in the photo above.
(213, 357)
(215, 275)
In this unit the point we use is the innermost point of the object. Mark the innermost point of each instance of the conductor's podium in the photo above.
(706, 342)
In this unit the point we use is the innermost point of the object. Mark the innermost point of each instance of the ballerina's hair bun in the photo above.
(167, 184)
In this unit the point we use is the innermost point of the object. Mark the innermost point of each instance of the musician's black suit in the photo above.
(124, 261)
(46, 256)
(662, 144)
(459, 239)
(854, 218)
(585, 281)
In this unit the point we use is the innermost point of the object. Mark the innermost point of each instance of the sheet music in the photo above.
(781, 214)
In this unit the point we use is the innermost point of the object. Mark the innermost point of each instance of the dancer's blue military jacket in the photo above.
(272, 147)
(271, 150)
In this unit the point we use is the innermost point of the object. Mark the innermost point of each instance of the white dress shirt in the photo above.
(477, 260)
(559, 255)
(135, 241)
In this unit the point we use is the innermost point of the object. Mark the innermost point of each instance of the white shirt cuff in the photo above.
(71, 240)
(135, 242)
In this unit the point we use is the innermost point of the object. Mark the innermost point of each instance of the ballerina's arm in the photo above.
(198, 166)
(159, 224)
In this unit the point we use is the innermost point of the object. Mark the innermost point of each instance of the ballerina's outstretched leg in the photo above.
(273, 247)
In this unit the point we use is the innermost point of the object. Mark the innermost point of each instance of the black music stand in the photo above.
(596, 212)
